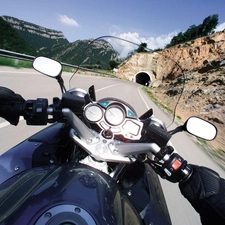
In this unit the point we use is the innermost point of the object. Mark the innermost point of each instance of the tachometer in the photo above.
(93, 113)
(114, 115)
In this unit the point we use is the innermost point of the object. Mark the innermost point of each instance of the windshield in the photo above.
(116, 58)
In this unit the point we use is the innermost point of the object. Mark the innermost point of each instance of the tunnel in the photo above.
(143, 78)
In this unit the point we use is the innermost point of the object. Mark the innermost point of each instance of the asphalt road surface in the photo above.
(32, 85)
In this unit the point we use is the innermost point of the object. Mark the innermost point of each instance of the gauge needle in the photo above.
(91, 112)
(112, 113)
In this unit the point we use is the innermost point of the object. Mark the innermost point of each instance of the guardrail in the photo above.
(20, 56)
(16, 55)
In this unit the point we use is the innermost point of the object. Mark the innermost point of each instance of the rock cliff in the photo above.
(37, 36)
(203, 63)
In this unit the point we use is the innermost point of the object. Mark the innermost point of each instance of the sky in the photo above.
(154, 22)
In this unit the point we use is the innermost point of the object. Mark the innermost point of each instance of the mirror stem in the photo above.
(177, 130)
(61, 84)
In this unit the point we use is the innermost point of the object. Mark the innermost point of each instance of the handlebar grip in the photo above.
(158, 135)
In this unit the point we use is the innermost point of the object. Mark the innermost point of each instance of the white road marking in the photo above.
(143, 98)
(108, 87)
(169, 142)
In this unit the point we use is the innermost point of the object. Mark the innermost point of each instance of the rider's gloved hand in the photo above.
(205, 190)
(9, 105)
(174, 169)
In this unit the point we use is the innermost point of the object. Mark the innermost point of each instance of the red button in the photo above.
(176, 164)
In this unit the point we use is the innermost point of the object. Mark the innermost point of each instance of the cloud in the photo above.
(68, 21)
(152, 42)
(220, 27)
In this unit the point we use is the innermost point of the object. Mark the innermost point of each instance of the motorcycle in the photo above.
(96, 163)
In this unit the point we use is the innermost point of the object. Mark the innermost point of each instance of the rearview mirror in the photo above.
(47, 66)
(201, 128)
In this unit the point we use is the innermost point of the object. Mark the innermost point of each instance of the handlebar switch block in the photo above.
(35, 111)
(176, 168)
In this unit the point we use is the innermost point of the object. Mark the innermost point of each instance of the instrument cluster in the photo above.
(114, 115)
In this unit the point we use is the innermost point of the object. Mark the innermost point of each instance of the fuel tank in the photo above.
(69, 194)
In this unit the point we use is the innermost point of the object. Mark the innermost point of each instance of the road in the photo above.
(32, 85)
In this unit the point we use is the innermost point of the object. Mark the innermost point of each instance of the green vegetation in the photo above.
(193, 32)
(179, 117)
(202, 142)
(114, 63)
(155, 100)
(40, 38)
(12, 41)
(142, 48)
(15, 63)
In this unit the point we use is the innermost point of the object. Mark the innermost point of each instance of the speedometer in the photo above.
(114, 115)
(93, 113)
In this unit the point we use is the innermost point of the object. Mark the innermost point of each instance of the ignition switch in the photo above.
(108, 134)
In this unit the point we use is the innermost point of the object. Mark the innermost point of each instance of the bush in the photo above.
(15, 63)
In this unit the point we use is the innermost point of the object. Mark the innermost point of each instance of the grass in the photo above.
(202, 141)
(15, 63)
(179, 117)
(4, 61)
(155, 100)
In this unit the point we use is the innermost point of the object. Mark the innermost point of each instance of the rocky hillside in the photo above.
(91, 54)
(36, 36)
(203, 64)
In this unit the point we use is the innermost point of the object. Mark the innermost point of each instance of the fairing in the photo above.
(30, 153)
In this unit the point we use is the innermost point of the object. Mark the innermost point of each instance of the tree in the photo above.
(209, 24)
(113, 64)
(193, 32)
(142, 47)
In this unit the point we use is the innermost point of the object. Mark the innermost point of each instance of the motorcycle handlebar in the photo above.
(36, 112)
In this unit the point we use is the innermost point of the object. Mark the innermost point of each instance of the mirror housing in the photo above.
(47, 66)
(200, 128)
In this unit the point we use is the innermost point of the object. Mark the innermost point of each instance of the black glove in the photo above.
(174, 169)
(9, 102)
(205, 190)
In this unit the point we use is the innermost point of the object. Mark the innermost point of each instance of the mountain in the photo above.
(12, 41)
(36, 36)
(53, 44)
(90, 53)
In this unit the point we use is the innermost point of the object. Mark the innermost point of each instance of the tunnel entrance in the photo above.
(143, 78)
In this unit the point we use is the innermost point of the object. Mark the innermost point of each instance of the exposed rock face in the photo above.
(35, 35)
(200, 55)
(138, 62)
(34, 29)
(203, 63)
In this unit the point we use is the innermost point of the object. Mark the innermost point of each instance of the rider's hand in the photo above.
(205, 190)
(8, 105)
(174, 169)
